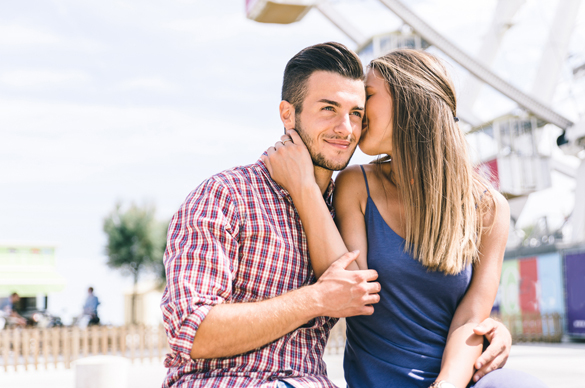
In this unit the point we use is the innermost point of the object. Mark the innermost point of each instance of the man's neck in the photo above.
(323, 178)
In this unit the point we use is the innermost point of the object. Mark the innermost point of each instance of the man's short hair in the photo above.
(331, 56)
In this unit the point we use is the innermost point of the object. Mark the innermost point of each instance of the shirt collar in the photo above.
(283, 193)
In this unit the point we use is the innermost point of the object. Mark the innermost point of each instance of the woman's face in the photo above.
(376, 135)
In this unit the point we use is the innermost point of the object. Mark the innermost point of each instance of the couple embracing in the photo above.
(263, 259)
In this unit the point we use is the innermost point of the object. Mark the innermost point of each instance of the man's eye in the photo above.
(357, 113)
(328, 108)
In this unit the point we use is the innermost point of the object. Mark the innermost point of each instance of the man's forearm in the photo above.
(232, 329)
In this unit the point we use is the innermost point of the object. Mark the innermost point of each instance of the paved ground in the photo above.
(558, 365)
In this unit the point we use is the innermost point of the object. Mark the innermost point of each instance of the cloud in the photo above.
(43, 78)
(212, 28)
(154, 84)
(60, 142)
(19, 35)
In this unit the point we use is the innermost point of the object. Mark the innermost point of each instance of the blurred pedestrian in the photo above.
(90, 307)
(9, 313)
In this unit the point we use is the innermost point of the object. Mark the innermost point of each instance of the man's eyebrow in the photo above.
(330, 102)
(335, 103)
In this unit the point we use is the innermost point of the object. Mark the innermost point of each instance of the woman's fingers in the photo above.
(286, 139)
(296, 139)
(266, 160)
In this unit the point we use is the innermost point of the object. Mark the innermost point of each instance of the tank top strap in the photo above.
(366, 180)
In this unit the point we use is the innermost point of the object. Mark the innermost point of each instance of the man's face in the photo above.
(331, 119)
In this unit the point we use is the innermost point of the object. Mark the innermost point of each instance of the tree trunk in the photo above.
(133, 316)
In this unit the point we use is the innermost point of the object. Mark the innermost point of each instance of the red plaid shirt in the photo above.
(238, 238)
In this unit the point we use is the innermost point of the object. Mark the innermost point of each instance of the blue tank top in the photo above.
(402, 343)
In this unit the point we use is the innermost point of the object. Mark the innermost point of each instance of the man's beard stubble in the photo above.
(318, 159)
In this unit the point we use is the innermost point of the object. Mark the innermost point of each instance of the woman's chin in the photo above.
(368, 151)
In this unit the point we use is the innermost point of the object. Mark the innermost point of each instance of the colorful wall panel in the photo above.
(509, 290)
(575, 292)
(551, 284)
(551, 288)
(532, 285)
(529, 302)
(529, 294)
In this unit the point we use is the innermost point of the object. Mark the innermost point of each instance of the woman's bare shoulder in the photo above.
(351, 176)
(350, 182)
(498, 209)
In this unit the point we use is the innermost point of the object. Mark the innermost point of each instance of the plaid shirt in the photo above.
(238, 238)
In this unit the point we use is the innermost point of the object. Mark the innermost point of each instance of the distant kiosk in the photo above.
(277, 11)
(507, 152)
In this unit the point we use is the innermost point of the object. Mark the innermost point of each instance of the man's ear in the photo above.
(287, 114)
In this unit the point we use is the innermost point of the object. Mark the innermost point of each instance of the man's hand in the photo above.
(496, 354)
(344, 293)
(235, 328)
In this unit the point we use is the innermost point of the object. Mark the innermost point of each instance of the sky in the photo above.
(126, 100)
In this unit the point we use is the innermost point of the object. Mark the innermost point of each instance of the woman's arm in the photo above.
(291, 167)
(463, 346)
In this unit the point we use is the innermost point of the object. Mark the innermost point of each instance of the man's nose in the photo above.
(344, 127)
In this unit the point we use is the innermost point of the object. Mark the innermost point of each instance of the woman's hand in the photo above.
(496, 354)
(290, 164)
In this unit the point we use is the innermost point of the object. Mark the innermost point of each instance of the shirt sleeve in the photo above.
(202, 242)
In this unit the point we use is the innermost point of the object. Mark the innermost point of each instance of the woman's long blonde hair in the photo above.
(444, 197)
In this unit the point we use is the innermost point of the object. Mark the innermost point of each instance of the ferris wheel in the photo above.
(508, 151)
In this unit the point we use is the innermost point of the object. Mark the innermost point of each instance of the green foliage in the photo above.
(136, 241)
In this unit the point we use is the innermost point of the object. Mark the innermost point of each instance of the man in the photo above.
(90, 307)
(8, 312)
(242, 307)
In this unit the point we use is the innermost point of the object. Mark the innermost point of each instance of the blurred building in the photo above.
(148, 297)
(30, 271)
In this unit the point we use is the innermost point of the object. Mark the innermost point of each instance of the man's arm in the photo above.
(203, 241)
(231, 329)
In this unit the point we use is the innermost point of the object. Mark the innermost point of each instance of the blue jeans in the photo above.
(284, 384)
(508, 378)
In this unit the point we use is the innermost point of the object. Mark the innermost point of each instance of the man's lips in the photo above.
(343, 144)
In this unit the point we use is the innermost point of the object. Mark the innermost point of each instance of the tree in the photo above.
(135, 243)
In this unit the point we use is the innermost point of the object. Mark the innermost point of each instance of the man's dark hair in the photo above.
(331, 56)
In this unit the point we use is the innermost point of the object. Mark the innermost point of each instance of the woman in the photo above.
(431, 227)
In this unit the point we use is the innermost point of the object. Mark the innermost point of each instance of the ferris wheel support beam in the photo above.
(555, 51)
(475, 67)
(501, 23)
(340, 22)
